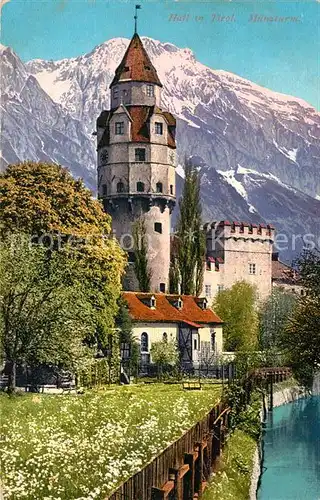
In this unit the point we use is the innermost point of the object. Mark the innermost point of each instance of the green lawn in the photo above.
(81, 447)
(234, 477)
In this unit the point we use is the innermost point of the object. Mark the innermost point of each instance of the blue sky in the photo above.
(283, 56)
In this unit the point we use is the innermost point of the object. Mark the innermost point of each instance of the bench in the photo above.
(192, 386)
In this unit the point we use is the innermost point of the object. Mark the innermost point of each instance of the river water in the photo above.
(292, 452)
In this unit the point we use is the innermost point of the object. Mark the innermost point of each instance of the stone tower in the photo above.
(136, 162)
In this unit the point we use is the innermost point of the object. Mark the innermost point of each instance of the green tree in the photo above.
(274, 316)
(45, 201)
(38, 198)
(174, 273)
(141, 264)
(123, 323)
(236, 306)
(191, 239)
(301, 338)
(164, 352)
(45, 312)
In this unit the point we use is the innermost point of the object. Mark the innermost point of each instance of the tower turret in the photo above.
(136, 160)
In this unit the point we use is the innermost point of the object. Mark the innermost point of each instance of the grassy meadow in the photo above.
(233, 479)
(82, 447)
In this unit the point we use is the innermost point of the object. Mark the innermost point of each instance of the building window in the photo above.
(171, 188)
(144, 342)
(115, 93)
(158, 227)
(162, 287)
(165, 337)
(140, 187)
(104, 189)
(119, 129)
(124, 92)
(140, 154)
(159, 128)
(152, 302)
(252, 269)
(220, 288)
(159, 187)
(208, 290)
(120, 187)
(150, 91)
(195, 344)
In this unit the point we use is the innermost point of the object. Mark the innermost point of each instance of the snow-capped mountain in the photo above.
(259, 149)
(34, 127)
(256, 197)
(223, 118)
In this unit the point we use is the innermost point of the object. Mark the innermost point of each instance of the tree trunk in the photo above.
(12, 378)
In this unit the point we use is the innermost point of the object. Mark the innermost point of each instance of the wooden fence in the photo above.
(182, 470)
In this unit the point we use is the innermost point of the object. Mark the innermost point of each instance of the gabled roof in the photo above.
(164, 311)
(282, 273)
(140, 117)
(136, 65)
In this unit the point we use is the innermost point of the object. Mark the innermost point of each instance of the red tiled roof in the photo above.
(140, 116)
(139, 128)
(136, 65)
(165, 311)
(281, 272)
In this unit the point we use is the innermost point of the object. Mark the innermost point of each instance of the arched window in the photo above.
(144, 342)
(120, 187)
(159, 187)
(165, 337)
(140, 187)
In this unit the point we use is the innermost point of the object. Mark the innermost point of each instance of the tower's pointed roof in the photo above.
(136, 65)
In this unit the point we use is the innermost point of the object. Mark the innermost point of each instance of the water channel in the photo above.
(291, 467)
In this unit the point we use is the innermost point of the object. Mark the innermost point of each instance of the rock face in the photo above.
(245, 135)
(34, 127)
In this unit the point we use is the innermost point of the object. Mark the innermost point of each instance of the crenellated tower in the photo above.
(136, 161)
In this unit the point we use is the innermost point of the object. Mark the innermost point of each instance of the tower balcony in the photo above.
(142, 199)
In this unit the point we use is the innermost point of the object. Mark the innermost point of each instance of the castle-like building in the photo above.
(136, 162)
(136, 181)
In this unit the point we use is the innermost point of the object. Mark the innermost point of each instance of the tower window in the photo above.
(159, 128)
(162, 287)
(252, 269)
(120, 187)
(158, 227)
(144, 342)
(119, 129)
(140, 154)
(165, 337)
(195, 344)
(104, 189)
(140, 187)
(159, 187)
(208, 290)
(150, 91)
(171, 188)
(115, 92)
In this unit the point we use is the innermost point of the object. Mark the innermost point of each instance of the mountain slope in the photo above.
(258, 151)
(34, 127)
(225, 119)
